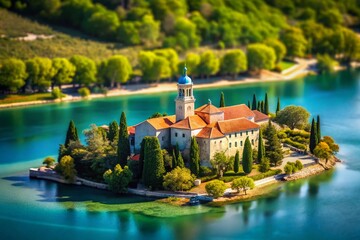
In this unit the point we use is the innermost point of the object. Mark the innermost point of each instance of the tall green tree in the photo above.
(179, 158)
(254, 102)
(209, 64)
(279, 48)
(40, 73)
(233, 62)
(293, 117)
(141, 158)
(260, 57)
(72, 134)
(113, 134)
(153, 163)
(237, 162)
(273, 149)
(194, 157)
(117, 70)
(294, 41)
(266, 105)
(247, 157)
(123, 151)
(261, 148)
(222, 100)
(86, 70)
(278, 106)
(63, 72)
(248, 104)
(318, 129)
(12, 74)
(153, 67)
(221, 163)
(313, 136)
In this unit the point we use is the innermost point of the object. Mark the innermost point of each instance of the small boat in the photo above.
(194, 201)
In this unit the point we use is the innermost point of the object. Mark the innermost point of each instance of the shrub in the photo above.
(178, 179)
(118, 179)
(243, 183)
(66, 168)
(49, 161)
(208, 178)
(266, 174)
(295, 144)
(84, 92)
(56, 93)
(299, 165)
(277, 68)
(205, 171)
(288, 169)
(215, 188)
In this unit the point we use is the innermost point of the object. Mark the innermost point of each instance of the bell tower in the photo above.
(185, 101)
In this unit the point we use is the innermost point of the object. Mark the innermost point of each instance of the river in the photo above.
(322, 207)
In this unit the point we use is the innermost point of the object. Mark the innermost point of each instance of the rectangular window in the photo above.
(183, 135)
(240, 134)
(163, 138)
(235, 144)
(252, 132)
(230, 136)
(241, 143)
(229, 145)
(235, 134)
(252, 141)
(176, 134)
(247, 133)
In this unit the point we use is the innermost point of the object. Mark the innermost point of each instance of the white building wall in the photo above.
(236, 141)
(142, 130)
(182, 137)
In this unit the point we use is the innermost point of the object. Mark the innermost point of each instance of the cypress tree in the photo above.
(237, 162)
(72, 134)
(261, 148)
(313, 137)
(153, 163)
(318, 129)
(113, 131)
(179, 158)
(273, 149)
(262, 109)
(254, 102)
(222, 100)
(141, 158)
(278, 106)
(247, 157)
(266, 105)
(123, 144)
(194, 157)
(249, 106)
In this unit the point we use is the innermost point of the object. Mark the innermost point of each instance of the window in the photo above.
(230, 136)
(183, 135)
(176, 134)
(241, 143)
(252, 132)
(252, 141)
(229, 145)
(235, 144)
(214, 142)
(247, 133)
(235, 134)
(162, 138)
(240, 134)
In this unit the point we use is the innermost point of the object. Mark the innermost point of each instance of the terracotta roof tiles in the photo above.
(237, 111)
(191, 122)
(162, 122)
(210, 132)
(236, 125)
(259, 116)
(208, 108)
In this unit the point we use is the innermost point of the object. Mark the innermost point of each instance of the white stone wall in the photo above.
(164, 137)
(237, 141)
(142, 130)
(182, 137)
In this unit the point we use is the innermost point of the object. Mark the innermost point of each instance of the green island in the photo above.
(67, 50)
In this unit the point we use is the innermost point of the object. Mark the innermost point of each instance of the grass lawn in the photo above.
(286, 64)
(14, 98)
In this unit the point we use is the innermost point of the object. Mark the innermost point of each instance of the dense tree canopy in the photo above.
(293, 117)
(260, 57)
(12, 74)
(179, 179)
(86, 70)
(233, 62)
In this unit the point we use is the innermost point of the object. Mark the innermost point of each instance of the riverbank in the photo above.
(302, 68)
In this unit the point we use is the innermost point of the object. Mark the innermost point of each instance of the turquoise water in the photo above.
(323, 207)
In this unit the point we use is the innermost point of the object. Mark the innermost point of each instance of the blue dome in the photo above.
(185, 79)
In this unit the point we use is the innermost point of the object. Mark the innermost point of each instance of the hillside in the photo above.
(54, 44)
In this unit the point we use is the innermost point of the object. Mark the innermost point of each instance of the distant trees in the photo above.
(118, 179)
(209, 64)
(179, 179)
(233, 62)
(117, 69)
(325, 63)
(153, 67)
(63, 72)
(260, 56)
(12, 75)
(279, 48)
(222, 100)
(293, 117)
(86, 70)
(247, 158)
(40, 72)
(294, 41)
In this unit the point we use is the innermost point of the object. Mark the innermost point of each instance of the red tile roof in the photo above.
(236, 125)
(131, 130)
(237, 111)
(162, 122)
(210, 132)
(135, 157)
(259, 116)
(191, 122)
(208, 108)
